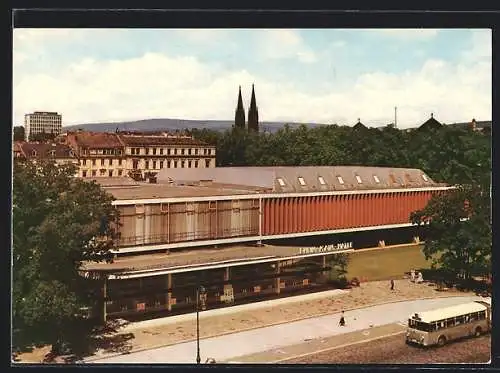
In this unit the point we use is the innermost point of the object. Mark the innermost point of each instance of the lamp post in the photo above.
(199, 290)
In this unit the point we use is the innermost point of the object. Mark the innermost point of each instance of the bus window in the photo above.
(459, 320)
(482, 315)
(450, 323)
(467, 319)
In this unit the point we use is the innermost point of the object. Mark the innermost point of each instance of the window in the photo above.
(146, 151)
(147, 165)
(135, 164)
(175, 164)
(110, 162)
(52, 153)
(189, 164)
(281, 182)
(196, 152)
(168, 164)
(154, 151)
(93, 162)
(110, 173)
(33, 153)
(321, 180)
(375, 177)
(358, 178)
(302, 181)
(168, 151)
(195, 164)
(161, 164)
(339, 178)
(189, 151)
(84, 173)
(183, 164)
(119, 162)
(154, 165)
(120, 172)
(161, 151)
(175, 151)
(207, 163)
(102, 162)
(182, 151)
(424, 176)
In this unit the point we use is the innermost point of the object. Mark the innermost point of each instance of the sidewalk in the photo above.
(231, 346)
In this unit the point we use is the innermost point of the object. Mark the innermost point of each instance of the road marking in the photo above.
(337, 347)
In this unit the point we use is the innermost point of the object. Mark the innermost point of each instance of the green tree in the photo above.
(18, 133)
(59, 221)
(458, 235)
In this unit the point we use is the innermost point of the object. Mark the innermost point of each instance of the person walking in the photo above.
(392, 284)
(342, 319)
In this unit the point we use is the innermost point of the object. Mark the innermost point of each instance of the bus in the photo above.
(439, 326)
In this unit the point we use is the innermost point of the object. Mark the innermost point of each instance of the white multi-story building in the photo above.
(42, 122)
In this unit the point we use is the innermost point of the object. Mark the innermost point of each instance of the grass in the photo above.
(386, 264)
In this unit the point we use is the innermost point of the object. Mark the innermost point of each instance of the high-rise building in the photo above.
(253, 114)
(42, 122)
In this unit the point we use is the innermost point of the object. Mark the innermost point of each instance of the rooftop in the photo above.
(191, 258)
(447, 312)
(39, 150)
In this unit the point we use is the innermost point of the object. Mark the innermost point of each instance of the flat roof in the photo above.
(452, 311)
(193, 258)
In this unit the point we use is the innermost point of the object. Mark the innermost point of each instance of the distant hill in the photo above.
(175, 124)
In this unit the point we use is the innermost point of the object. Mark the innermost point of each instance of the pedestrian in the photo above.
(392, 284)
(342, 319)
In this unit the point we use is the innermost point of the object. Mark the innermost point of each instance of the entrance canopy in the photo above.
(202, 259)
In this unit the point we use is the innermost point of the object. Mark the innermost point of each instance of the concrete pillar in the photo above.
(104, 295)
(226, 274)
(277, 271)
(169, 291)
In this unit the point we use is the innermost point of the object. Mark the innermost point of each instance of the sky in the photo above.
(300, 75)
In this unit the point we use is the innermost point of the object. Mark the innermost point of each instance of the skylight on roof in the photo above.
(281, 182)
(358, 178)
(424, 176)
(339, 178)
(375, 177)
(321, 180)
(302, 181)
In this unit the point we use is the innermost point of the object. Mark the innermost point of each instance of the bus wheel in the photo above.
(441, 341)
(478, 331)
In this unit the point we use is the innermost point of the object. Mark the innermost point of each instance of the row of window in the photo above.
(174, 151)
(103, 151)
(110, 173)
(174, 164)
(358, 179)
(447, 323)
(86, 162)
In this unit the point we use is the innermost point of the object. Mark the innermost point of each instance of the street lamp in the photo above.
(199, 291)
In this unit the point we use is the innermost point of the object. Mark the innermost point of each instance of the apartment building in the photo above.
(144, 154)
(149, 153)
(42, 122)
(100, 154)
(35, 151)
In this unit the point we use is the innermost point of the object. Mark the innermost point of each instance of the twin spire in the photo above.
(253, 113)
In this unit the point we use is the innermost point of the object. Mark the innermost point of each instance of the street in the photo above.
(253, 341)
(394, 350)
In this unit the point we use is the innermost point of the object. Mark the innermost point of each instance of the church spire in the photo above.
(239, 118)
(253, 113)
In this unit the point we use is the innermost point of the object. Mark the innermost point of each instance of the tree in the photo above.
(18, 133)
(458, 235)
(58, 222)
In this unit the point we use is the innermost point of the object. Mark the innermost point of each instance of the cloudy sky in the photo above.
(314, 75)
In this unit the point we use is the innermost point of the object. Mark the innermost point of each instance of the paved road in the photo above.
(267, 338)
(393, 350)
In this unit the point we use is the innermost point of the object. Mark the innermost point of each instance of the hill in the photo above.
(175, 124)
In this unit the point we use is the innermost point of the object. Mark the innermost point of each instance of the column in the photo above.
(104, 296)
(169, 292)
(277, 280)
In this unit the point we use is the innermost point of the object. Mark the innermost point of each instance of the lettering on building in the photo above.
(325, 248)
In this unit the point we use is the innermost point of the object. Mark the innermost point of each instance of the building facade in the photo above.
(42, 122)
(242, 231)
(33, 151)
(123, 154)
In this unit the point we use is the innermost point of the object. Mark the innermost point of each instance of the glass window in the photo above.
(281, 182)
(154, 151)
(339, 178)
(321, 180)
(375, 177)
(358, 178)
(161, 151)
(161, 164)
(424, 176)
(302, 181)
